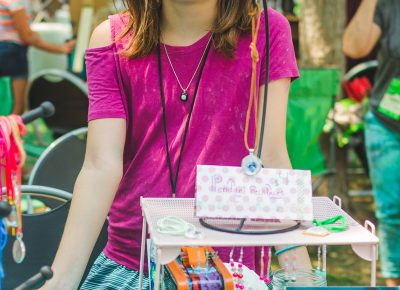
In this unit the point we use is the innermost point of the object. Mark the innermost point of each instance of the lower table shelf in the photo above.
(362, 238)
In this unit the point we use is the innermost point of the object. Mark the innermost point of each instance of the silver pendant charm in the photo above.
(184, 96)
(18, 250)
(251, 164)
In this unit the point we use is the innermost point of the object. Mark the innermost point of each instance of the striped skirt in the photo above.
(106, 274)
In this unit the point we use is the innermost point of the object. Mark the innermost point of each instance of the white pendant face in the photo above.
(251, 164)
(184, 97)
(18, 251)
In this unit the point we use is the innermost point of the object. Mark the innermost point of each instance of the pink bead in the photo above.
(232, 264)
(267, 280)
(240, 276)
(262, 277)
(240, 265)
(235, 275)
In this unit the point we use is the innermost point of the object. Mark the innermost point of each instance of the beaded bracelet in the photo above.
(277, 253)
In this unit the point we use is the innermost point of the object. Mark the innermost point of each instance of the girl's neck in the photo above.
(183, 22)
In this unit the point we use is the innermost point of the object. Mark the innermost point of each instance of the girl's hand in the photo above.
(68, 47)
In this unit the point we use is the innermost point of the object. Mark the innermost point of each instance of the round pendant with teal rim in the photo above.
(184, 96)
(251, 164)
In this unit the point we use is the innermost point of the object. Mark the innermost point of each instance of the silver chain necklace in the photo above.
(184, 95)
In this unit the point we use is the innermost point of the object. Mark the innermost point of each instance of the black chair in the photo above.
(61, 162)
(42, 235)
(67, 92)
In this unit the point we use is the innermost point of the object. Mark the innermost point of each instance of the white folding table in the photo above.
(362, 238)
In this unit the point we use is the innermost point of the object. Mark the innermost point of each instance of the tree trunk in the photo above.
(321, 29)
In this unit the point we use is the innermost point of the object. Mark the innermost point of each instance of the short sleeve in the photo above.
(282, 56)
(105, 98)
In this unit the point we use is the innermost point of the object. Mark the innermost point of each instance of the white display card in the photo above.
(277, 194)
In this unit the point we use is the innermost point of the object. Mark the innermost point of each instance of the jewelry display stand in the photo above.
(362, 238)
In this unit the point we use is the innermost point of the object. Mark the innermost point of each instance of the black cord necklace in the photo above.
(174, 180)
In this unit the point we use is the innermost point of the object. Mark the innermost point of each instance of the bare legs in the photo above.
(19, 87)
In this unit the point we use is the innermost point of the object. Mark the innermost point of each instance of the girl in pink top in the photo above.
(201, 48)
(15, 37)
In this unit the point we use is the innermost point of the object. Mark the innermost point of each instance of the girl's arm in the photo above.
(31, 38)
(94, 191)
(362, 34)
(274, 153)
(93, 194)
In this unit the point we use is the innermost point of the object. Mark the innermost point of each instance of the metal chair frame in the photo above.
(50, 149)
(61, 74)
(359, 69)
(38, 190)
(43, 158)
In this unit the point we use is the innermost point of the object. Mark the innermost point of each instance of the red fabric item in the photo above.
(358, 88)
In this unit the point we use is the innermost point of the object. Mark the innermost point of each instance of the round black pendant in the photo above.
(184, 97)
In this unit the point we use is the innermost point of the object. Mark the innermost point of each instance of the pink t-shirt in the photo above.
(216, 130)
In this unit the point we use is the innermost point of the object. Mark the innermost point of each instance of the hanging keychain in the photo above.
(237, 270)
(12, 221)
(252, 164)
(267, 277)
(4, 147)
(262, 277)
(17, 159)
(8, 164)
(240, 284)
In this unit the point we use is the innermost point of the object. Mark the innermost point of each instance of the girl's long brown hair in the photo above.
(143, 28)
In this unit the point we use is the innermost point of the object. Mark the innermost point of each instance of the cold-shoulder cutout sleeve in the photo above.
(105, 98)
(102, 35)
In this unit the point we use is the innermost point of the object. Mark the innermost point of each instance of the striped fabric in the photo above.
(106, 274)
(8, 31)
(109, 275)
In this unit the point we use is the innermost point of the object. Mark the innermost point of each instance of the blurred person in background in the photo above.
(15, 37)
(378, 23)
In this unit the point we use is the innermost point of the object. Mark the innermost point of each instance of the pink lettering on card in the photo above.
(226, 192)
